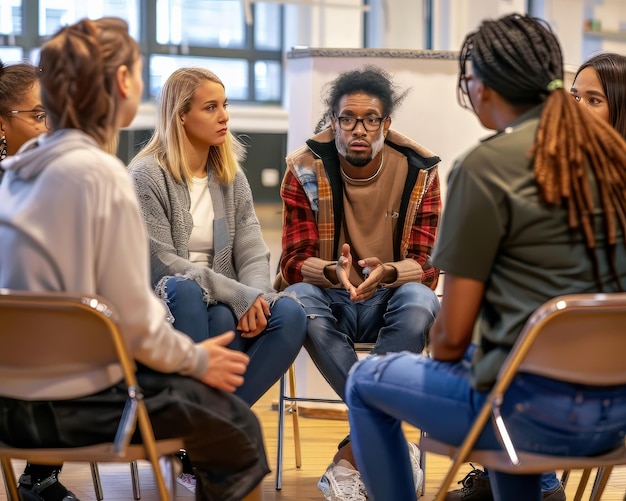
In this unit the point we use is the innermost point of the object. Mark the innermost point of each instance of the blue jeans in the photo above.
(271, 352)
(541, 415)
(395, 319)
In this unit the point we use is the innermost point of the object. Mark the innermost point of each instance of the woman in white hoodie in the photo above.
(64, 193)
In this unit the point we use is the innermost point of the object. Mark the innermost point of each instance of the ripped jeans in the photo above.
(271, 352)
(541, 415)
(395, 319)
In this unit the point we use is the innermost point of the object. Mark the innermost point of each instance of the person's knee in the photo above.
(303, 290)
(419, 292)
(183, 289)
(221, 318)
(416, 298)
(291, 320)
(289, 309)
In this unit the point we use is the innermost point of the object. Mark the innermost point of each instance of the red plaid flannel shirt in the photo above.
(301, 235)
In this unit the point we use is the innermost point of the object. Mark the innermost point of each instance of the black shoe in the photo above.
(557, 494)
(476, 487)
(48, 489)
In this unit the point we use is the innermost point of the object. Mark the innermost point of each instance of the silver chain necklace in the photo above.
(358, 180)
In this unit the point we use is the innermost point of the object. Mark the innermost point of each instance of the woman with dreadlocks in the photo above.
(535, 211)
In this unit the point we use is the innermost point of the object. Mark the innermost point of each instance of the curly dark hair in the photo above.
(369, 79)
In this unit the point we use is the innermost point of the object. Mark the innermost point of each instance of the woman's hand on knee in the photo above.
(254, 321)
(226, 366)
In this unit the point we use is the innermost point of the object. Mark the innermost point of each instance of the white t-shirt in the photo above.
(201, 239)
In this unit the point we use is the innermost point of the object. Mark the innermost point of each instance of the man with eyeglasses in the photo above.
(361, 207)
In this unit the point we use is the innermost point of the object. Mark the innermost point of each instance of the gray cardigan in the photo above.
(239, 267)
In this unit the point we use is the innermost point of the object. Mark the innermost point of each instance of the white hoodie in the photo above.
(67, 196)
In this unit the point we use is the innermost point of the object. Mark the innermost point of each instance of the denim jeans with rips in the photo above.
(271, 352)
(395, 319)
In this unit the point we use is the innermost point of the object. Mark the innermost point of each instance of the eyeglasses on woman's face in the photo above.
(39, 116)
(463, 97)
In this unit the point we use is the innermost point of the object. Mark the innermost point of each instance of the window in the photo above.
(172, 34)
(203, 23)
(56, 13)
(213, 34)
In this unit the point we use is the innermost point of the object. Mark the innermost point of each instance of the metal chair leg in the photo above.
(134, 475)
(165, 473)
(294, 415)
(565, 478)
(281, 432)
(422, 490)
(171, 477)
(602, 478)
(97, 484)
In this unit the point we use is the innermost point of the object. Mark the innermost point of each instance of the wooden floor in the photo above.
(319, 440)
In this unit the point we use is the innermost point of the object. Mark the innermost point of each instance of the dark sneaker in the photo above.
(557, 494)
(48, 489)
(475, 487)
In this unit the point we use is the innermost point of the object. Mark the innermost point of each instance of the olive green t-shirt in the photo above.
(496, 229)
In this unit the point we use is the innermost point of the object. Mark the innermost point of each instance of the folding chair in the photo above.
(293, 400)
(68, 333)
(577, 338)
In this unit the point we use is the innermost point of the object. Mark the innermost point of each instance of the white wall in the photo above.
(340, 25)
(453, 19)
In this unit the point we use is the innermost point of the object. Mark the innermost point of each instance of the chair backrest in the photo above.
(577, 338)
(53, 345)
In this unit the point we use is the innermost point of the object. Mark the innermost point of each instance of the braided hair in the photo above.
(520, 58)
(78, 68)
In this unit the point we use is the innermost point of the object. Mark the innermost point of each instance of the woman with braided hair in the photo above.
(533, 212)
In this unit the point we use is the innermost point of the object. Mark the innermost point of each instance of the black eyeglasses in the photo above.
(370, 124)
(39, 116)
(463, 97)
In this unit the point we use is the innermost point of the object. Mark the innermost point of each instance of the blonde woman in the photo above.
(208, 258)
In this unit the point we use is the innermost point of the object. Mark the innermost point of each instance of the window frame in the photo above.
(30, 40)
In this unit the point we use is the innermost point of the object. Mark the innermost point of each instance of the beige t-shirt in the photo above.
(371, 209)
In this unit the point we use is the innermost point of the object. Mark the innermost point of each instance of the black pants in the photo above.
(221, 434)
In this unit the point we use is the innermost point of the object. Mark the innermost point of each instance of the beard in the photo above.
(357, 160)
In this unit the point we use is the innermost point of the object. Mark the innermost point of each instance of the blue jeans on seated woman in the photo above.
(271, 352)
(542, 415)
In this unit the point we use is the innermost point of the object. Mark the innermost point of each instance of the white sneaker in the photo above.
(187, 480)
(341, 482)
(418, 474)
